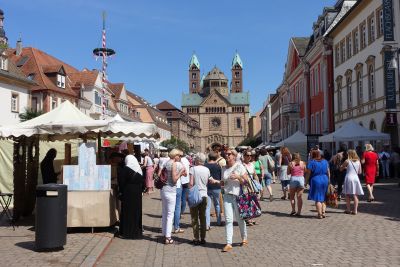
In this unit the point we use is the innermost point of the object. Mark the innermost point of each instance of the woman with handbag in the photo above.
(352, 184)
(252, 174)
(318, 171)
(168, 193)
(234, 174)
(199, 177)
(284, 160)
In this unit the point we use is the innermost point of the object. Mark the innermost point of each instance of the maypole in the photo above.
(104, 53)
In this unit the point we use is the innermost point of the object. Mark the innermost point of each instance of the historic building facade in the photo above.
(183, 126)
(222, 111)
(365, 87)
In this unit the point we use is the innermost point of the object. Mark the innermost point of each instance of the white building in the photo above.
(361, 91)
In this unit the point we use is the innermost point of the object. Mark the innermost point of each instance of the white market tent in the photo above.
(352, 131)
(67, 120)
(296, 143)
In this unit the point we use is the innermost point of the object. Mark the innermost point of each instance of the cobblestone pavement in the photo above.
(370, 238)
(17, 248)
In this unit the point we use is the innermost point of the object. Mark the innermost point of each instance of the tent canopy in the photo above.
(67, 120)
(352, 131)
(296, 143)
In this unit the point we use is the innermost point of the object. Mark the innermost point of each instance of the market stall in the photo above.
(66, 122)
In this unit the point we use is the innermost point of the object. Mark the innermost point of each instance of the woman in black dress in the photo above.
(130, 193)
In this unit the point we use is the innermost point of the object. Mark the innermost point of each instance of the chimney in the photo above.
(18, 47)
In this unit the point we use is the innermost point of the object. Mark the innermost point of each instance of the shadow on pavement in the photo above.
(153, 215)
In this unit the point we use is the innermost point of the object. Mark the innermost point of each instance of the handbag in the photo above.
(331, 197)
(194, 197)
(248, 205)
(254, 185)
(160, 181)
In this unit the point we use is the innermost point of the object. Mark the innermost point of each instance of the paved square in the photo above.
(370, 238)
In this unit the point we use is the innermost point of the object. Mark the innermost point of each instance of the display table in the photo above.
(91, 209)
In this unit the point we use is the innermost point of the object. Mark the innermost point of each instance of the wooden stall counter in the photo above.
(91, 209)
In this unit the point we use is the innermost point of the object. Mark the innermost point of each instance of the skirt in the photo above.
(149, 177)
(352, 185)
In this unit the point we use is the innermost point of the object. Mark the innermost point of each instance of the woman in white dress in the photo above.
(352, 184)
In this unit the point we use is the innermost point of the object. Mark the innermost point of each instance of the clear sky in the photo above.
(154, 39)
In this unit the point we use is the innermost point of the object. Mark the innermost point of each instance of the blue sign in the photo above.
(388, 33)
(390, 81)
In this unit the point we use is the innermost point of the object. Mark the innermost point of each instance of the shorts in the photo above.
(267, 179)
(297, 182)
(285, 184)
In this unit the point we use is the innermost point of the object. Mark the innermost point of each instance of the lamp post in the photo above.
(394, 65)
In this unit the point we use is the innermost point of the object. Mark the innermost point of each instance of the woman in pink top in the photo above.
(296, 169)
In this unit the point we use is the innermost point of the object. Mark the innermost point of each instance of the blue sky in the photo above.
(155, 39)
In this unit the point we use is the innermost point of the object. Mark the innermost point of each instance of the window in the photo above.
(342, 51)
(312, 124)
(379, 20)
(359, 88)
(372, 125)
(14, 102)
(237, 74)
(3, 63)
(317, 79)
(339, 93)
(371, 29)
(60, 81)
(193, 85)
(34, 104)
(317, 123)
(349, 50)
(349, 93)
(323, 121)
(371, 82)
(337, 55)
(363, 32)
(97, 98)
(237, 84)
(53, 102)
(312, 82)
(238, 123)
(194, 76)
(355, 41)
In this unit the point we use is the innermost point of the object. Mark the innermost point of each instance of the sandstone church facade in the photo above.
(221, 110)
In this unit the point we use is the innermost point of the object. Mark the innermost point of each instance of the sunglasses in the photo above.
(247, 155)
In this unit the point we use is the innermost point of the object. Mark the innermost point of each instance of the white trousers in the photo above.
(168, 198)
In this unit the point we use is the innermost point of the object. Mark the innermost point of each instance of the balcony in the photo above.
(291, 109)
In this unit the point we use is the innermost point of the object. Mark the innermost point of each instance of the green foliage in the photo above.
(29, 114)
(3, 46)
(252, 141)
(176, 143)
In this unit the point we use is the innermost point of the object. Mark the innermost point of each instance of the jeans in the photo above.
(168, 198)
(185, 191)
(231, 209)
(385, 168)
(177, 214)
(214, 194)
(199, 212)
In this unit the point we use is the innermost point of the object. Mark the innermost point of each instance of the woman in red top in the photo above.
(371, 169)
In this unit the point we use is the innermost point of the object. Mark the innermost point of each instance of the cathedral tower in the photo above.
(237, 70)
(194, 75)
(3, 37)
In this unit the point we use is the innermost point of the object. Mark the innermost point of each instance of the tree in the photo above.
(29, 114)
(176, 143)
(252, 141)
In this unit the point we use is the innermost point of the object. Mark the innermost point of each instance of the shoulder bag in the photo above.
(248, 205)
(194, 197)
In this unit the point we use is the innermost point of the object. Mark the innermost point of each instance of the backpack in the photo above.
(161, 180)
(384, 157)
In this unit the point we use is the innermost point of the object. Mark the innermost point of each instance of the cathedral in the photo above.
(221, 109)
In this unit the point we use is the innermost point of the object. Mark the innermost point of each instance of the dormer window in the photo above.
(60, 81)
(3, 63)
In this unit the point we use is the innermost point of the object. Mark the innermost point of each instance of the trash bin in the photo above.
(51, 216)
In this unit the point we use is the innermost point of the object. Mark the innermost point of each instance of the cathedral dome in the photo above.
(215, 74)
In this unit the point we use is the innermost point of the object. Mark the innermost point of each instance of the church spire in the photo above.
(237, 79)
(194, 75)
(194, 62)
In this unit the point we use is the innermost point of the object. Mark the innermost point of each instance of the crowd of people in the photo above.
(220, 176)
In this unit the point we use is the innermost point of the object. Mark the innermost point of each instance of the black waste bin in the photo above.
(51, 216)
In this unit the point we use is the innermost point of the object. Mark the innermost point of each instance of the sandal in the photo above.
(353, 213)
(319, 216)
(196, 242)
(179, 231)
(249, 224)
(347, 212)
(293, 213)
(168, 241)
(323, 215)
